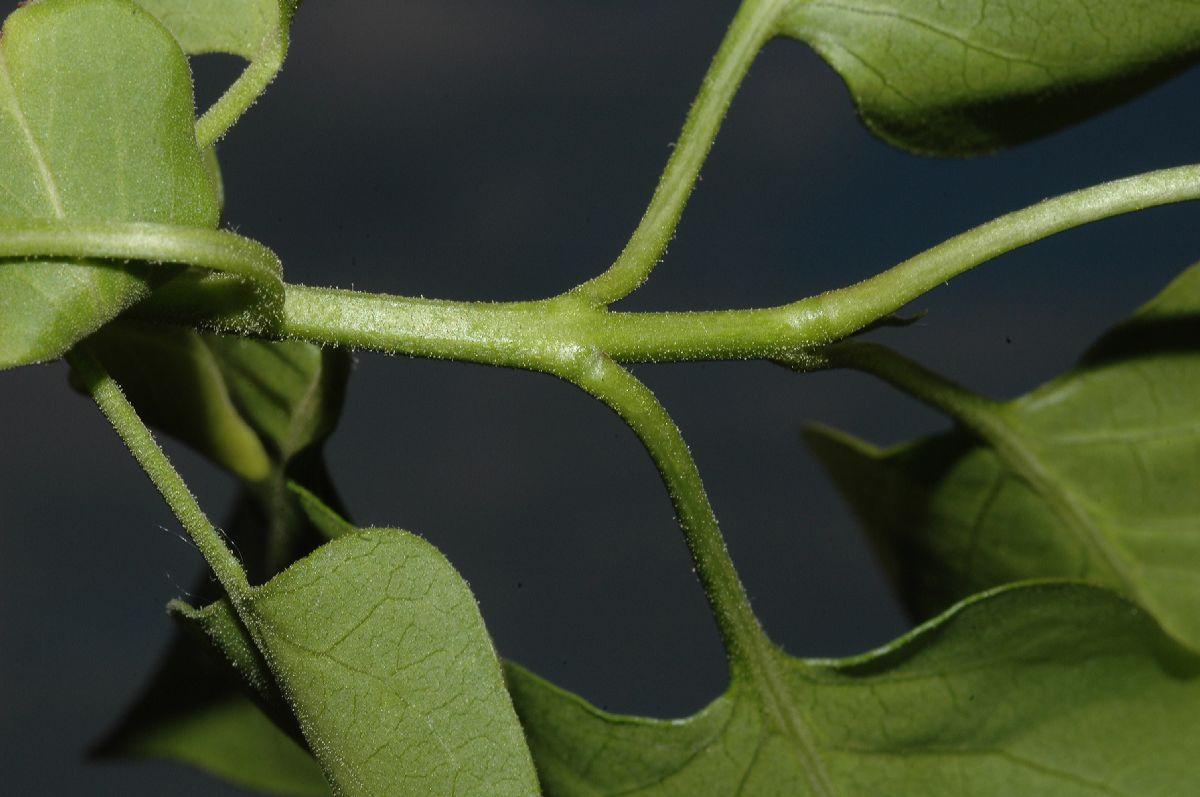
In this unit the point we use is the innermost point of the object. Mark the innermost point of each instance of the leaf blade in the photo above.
(972, 77)
(386, 719)
(80, 80)
(939, 712)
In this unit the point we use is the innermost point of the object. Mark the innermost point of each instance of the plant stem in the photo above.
(533, 335)
(974, 411)
(249, 86)
(847, 310)
(137, 438)
(752, 27)
(743, 637)
(242, 262)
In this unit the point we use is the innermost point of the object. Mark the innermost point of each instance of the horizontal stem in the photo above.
(534, 335)
(238, 265)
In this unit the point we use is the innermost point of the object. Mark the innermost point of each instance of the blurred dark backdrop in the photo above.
(503, 150)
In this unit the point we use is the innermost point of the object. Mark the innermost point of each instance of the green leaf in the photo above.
(232, 740)
(291, 392)
(379, 649)
(205, 704)
(256, 30)
(1049, 690)
(329, 523)
(1093, 475)
(95, 125)
(250, 406)
(979, 75)
(193, 713)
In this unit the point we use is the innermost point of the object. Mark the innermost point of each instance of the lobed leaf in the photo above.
(1047, 690)
(95, 125)
(978, 75)
(1092, 475)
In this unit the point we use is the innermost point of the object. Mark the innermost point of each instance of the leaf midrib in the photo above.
(779, 705)
(35, 150)
(1005, 436)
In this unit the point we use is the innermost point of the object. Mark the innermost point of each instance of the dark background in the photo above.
(474, 149)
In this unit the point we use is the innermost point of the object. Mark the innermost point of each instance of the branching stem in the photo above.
(523, 335)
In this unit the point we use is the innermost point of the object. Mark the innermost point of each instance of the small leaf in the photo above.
(329, 523)
(191, 714)
(177, 385)
(200, 706)
(95, 125)
(979, 75)
(379, 649)
(245, 404)
(1049, 690)
(256, 30)
(291, 392)
(1093, 475)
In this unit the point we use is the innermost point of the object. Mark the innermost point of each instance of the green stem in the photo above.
(124, 419)
(249, 86)
(977, 413)
(754, 662)
(243, 265)
(523, 335)
(533, 335)
(745, 643)
(847, 310)
(751, 28)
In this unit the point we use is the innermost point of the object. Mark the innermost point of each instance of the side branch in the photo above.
(745, 642)
(751, 28)
(847, 310)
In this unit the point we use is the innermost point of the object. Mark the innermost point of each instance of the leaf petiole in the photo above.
(751, 28)
(137, 438)
(743, 637)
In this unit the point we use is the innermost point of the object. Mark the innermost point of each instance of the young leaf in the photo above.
(194, 714)
(200, 706)
(256, 30)
(248, 405)
(330, 524)
(231, 739)
(1049, 690)
(378, 647)
(1093, 475)
(95, 125)
(979, 75)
